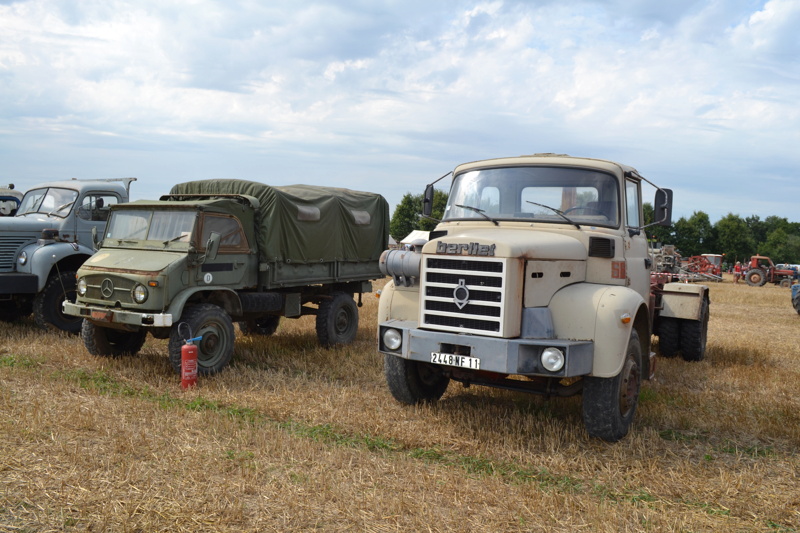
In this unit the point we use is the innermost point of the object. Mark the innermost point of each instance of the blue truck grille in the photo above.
(9, 249)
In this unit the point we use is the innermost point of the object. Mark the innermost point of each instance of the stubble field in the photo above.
(295, 437)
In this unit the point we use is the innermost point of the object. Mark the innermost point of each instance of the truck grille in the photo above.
(467, 295)
(116, 288)
(9, 248)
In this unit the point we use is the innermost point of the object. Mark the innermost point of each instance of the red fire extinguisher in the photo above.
(189, 363)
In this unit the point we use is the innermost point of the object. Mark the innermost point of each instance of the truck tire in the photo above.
(260, 326)
(694, 334)
(215, 349)
(669, 336)
(786, 283)
(107, 342)
(337, 320)
(755, 277)
(796, 304)
(47, 304)
(412, 382)
(609, 404)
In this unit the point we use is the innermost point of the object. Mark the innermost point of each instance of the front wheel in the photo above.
(609, 404)
(214, 349)
(755, 277)
(47, 309)
(412, 382)
(337, 320)
(107, 342)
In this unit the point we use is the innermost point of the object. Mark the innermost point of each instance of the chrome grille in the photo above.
(9, 248)
(465, 294)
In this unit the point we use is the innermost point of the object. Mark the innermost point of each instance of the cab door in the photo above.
(230, 266)
(637, 255)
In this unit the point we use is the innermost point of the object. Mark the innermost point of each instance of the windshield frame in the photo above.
(174, 226)
(61, 200)
(514, 192)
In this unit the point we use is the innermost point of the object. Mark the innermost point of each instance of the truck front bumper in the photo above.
(105, 315)
(15, 283)
(504, 356)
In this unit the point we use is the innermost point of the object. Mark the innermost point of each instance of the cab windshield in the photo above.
(151, 225)
(544, 194)
(52, 201)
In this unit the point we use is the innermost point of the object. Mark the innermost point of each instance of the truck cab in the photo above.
(538, 279)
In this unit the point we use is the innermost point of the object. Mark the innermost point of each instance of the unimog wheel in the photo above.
(107, 342)
(412, 382)
(694, 334)
(47, 309)
(755, 277)
(609, 404)
(260, 326)
(214, 349)
(337, 320)
(669, 336)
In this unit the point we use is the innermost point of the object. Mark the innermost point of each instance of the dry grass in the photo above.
(293, 437)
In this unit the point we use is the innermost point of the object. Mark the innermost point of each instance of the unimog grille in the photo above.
(9, 248)
(469, 295)
(109, 288)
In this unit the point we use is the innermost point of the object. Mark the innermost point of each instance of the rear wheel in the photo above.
(107, 342)
(694, 334)
(412, 382)
(755, 277)
(214, 349)
(609, 404)
(47, 309)
(669, 336)
(337, 320)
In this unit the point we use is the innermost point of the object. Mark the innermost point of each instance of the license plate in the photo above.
(104, 316)
(461, 361)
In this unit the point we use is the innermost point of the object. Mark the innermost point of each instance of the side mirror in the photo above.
(212, 246)
(662, 207)
(427, 201)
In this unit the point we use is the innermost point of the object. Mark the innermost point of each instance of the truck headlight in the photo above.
(392, 339)
(552, 359)
(23, 258)
(139, 293)
(82, 287)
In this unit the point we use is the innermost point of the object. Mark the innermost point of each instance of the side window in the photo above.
(95, 207)
(633, 204)
(229, 228)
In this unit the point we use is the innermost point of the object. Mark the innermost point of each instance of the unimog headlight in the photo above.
(82, 287)
(392, 339)
(139, 293)
(553, 359)
(23, 258)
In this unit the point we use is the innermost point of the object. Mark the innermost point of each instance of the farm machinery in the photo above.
(761, 270)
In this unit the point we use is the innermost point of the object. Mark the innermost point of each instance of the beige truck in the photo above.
(538, 279)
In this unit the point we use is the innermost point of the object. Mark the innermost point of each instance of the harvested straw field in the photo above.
(293, 437)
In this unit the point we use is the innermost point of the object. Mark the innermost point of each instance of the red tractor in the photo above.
(762, 270)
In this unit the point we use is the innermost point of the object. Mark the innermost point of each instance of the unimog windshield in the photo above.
(535, 193)
(168, 226)
(51, 201)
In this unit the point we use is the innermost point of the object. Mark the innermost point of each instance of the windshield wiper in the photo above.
(173, 239)
(479, 211)
(558, 212)
(59, 208)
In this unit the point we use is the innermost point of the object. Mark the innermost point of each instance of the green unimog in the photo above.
(218, 251)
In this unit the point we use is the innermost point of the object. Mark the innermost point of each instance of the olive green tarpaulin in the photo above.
(306, 223)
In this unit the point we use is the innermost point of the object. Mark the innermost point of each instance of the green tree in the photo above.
(694, 236)
(407, 215)
(657, 234)
(734, 238)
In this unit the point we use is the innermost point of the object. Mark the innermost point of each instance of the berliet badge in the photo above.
(461, 294)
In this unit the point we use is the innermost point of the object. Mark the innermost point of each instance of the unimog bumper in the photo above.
(505, 356)
(118, 316)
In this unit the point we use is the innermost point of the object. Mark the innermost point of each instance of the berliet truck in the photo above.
(216, 252)
(538, 279)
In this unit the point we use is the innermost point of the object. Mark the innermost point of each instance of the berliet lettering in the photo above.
(473, 248)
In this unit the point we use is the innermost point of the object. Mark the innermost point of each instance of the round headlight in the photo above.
(82, 287)
(392, 339)
(553, 359)
(23, 258)
(139, 294)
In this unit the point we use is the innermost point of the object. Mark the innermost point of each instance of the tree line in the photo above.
(736, 237)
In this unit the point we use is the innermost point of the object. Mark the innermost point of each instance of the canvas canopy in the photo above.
(305, 223)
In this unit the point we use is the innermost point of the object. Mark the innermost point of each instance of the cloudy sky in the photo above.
(700, 96)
